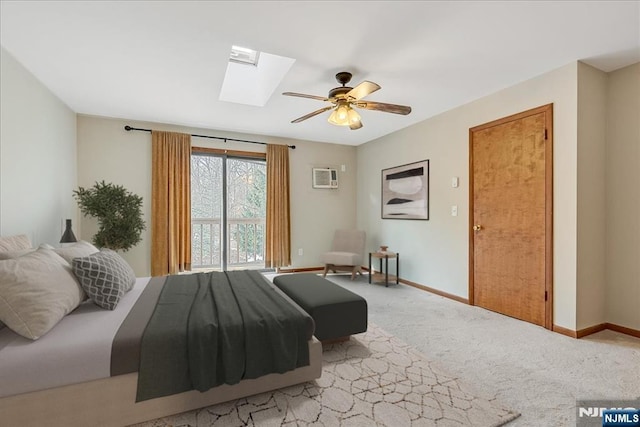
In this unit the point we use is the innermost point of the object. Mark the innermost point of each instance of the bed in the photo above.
(69, 377)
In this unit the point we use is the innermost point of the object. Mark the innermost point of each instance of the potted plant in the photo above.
(118, 211)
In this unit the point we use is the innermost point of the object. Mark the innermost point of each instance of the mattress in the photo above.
(76, 350)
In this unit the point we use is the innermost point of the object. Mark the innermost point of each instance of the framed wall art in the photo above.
(405, 191)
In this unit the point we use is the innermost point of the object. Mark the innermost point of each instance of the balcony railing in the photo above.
(245, 243)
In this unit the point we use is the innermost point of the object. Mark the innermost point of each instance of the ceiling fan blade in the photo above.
(315, 113)
(355, 125)
(381, 106)
(302, 95)
(363, 89)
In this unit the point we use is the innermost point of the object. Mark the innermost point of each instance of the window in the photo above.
(228, 210)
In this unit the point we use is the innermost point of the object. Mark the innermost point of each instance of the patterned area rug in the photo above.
(373, 379)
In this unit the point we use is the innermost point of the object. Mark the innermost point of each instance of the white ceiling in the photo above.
(165, 61)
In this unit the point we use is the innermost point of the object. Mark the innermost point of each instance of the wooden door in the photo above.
(511, 216)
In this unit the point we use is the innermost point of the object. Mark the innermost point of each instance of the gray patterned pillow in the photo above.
(105, 276)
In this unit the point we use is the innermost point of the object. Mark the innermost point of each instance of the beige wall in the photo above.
(592, 109)
(37, 156)
(435, 252)
(317, 213)
(623, 197)
(107, 152)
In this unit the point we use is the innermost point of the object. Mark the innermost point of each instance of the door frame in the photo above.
(225, 155)
(548, 138)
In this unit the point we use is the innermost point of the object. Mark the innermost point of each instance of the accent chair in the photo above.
(347, 250)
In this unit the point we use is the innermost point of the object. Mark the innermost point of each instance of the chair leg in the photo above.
(326, 269)
(353, 272)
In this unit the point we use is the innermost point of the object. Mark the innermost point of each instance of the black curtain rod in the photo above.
(129, 128)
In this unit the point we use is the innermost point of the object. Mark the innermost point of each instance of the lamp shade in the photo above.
(68, 236)
(340, 116)
(353, 116)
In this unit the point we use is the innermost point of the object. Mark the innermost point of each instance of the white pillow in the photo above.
(15, 254)
(76, 250)
(36, 291)
(14, 243)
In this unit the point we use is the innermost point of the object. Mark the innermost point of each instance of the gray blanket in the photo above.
(219, 328)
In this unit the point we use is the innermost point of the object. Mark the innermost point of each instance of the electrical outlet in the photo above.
(454, 210)
(300, 252)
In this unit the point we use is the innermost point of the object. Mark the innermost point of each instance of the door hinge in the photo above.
(545, 134)
(545, 295)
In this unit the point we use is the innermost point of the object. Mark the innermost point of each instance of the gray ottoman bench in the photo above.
(336, 311)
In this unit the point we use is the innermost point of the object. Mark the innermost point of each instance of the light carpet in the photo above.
(530, 369)
(374, 379)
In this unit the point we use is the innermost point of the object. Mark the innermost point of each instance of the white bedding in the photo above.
(76, 350)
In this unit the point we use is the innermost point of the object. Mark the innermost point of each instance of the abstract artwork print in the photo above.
(405, 191)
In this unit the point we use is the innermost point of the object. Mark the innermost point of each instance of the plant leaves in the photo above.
(118, 211)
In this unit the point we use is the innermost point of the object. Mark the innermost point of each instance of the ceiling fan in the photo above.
(344, 98)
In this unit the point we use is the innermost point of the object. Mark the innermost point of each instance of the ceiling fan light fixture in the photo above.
(340, 116)
(353, 115)
(344, 115)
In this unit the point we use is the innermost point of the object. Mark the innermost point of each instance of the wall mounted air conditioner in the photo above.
(325, 178)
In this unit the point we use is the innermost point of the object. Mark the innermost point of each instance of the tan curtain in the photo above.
(278, 229)
(170, 203)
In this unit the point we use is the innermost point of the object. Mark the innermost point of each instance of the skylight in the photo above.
(252, 76)
(244, 55)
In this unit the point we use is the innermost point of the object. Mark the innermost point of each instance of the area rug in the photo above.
(373, 379)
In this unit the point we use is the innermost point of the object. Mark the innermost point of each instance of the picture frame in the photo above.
(405, 191)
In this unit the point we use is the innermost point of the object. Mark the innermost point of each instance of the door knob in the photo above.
(477, 227)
